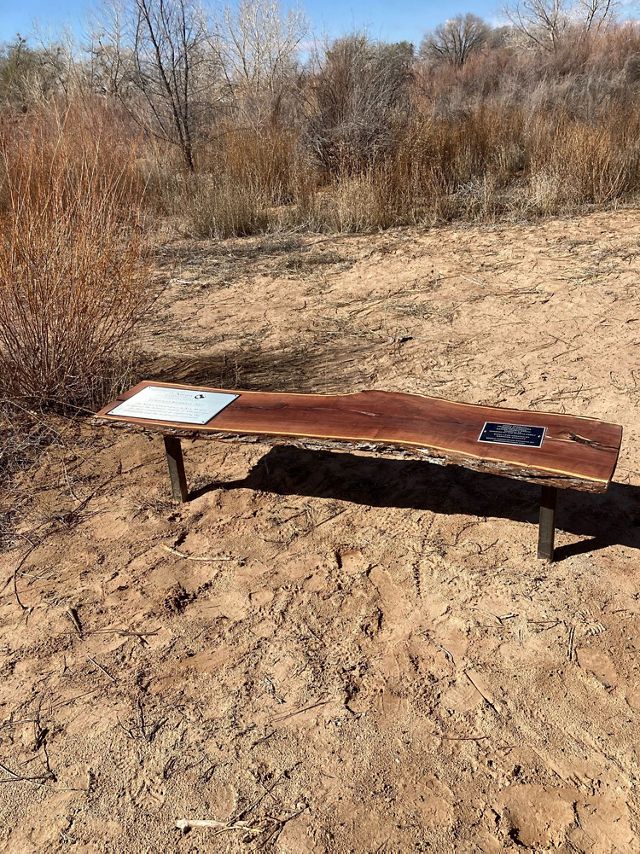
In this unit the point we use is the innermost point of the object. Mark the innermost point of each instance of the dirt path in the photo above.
(326, 653)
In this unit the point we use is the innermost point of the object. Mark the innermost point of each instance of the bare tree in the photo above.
(257, 47)
(110, 56)
(168, 49)
(596, 14)
(160, 48)
(455, 40)
(544, 23)
(29, 73)
(541, 22)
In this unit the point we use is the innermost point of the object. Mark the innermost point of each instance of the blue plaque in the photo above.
(512, 434)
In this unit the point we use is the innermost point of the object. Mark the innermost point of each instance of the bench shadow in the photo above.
(601, 520)
(310, 368)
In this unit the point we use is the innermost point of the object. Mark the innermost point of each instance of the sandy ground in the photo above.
(324, 652)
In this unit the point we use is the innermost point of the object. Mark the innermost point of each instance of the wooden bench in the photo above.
(573, 453)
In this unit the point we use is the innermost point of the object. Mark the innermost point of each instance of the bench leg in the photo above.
(547, 529)
(173, 450)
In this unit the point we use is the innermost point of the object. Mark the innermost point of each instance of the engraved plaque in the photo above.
(496, 433)
(180, 405)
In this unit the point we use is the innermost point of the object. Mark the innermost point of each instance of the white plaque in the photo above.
(182, 405)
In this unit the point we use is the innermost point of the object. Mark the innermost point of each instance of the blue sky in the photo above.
(392, 21)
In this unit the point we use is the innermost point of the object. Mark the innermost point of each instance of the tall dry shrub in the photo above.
(250, 181)
(491, 160)
(73, 278)
(358, 100)
(575, 163)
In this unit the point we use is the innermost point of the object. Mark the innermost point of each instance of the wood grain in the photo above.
(577, 452)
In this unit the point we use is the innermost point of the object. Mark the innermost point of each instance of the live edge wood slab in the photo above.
(576, 453)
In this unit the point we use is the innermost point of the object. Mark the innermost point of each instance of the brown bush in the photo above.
(490, 162)
(73, 280)
(511, 133)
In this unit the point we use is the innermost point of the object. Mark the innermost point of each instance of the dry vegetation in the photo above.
(510, 134)
(72, 275)
(236, 135)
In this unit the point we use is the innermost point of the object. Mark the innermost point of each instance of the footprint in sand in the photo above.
(146, 792)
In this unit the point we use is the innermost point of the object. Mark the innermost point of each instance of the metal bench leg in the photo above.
(547, 529)
(173, 450)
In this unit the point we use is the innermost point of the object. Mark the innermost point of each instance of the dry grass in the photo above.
(491, 162)
(73, 275)
(248, 183)
(215, 206)
(513, 134)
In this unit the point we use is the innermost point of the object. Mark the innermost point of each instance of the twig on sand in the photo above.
(461, 737)
(298, 712)
(285, 775)
(125, 633)
(571, 643)
(483, 693)
(328, 519)
(271, 825)
(200, 559)
(100, 667)
(145, 731)
(264, 738)
(72, 613)
(20, 778)
(68, 482)
(314, 527)
(68, 702)
(19, 566)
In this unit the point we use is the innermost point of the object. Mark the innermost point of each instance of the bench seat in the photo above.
(576, 452)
